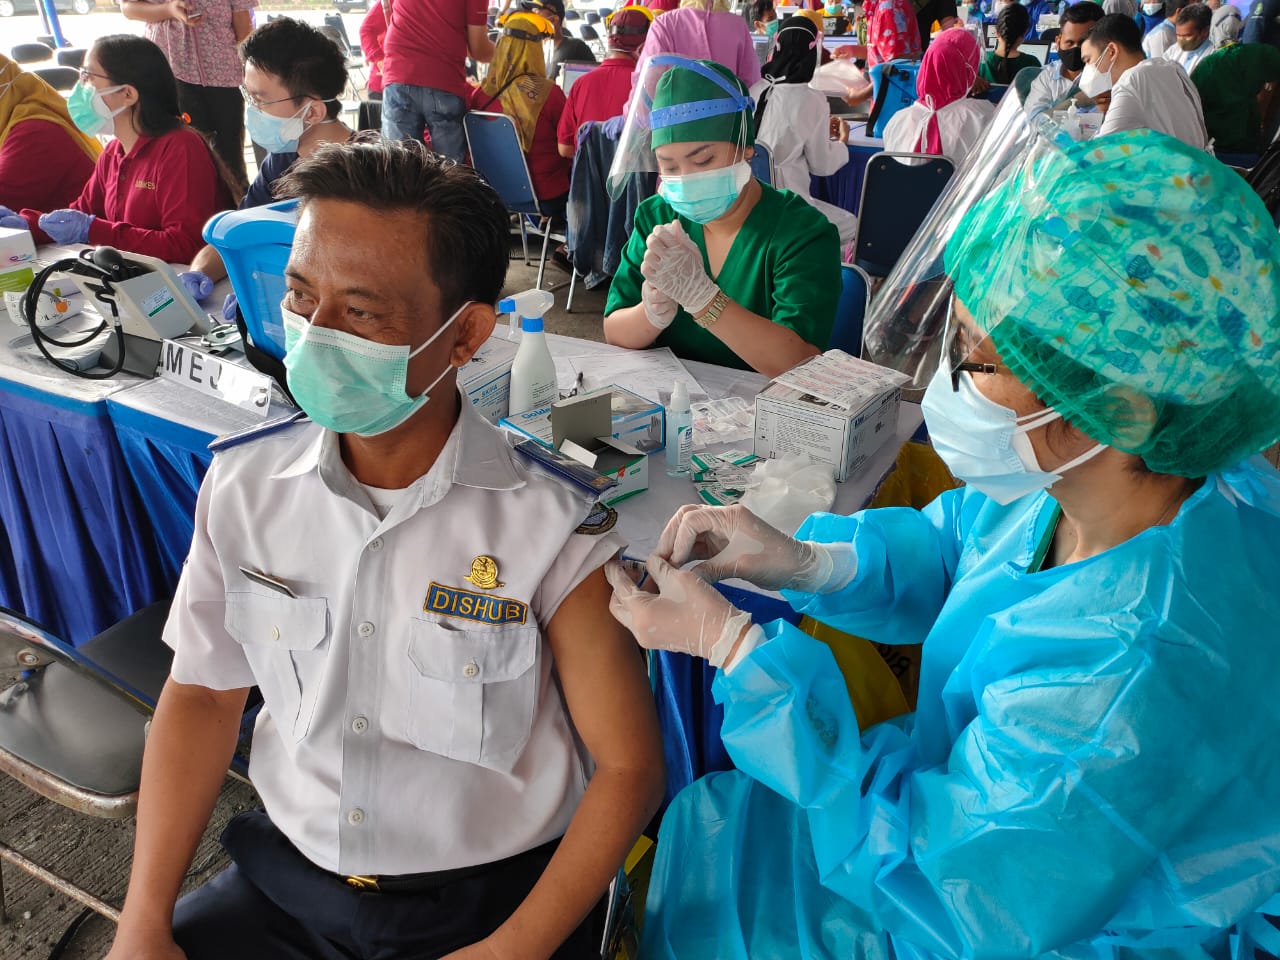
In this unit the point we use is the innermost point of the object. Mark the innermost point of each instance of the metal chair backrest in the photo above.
(335, 20)
(851, 310)
(592, 17)
(572, 14)
(495, 152)
(61, 79)
(30, 53)
(896, 199)
(70, 57)
(588, 33)
(762, 164)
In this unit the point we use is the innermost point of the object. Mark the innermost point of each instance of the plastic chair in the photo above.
(62, 79)
(572, 14)
(591, 38)
(762, 164)
(592, 17)
(855, 297)
(30, 53)
(896, 198)
(495, 152)
(70, 57)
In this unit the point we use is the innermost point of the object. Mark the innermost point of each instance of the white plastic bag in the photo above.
(786, 491)
(839, 78)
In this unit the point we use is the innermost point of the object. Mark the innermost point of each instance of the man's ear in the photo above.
(475, 325)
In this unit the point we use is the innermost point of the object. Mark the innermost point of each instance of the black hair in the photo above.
(466, 221)
(759, 8)
(1197, 14)
(307, 62)
(1173, 7)
(1083, 12)
(1012, 24)
(136, 61)
(1119, 29)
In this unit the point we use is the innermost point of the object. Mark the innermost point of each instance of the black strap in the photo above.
(878, 107)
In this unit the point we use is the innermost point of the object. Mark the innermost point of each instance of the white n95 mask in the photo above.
(1094, 81)
(986, 444)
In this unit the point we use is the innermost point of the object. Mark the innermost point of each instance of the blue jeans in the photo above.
(407, 110)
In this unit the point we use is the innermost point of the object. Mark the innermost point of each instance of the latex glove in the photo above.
(613, 127)
(10, 218)
(686, 615)
(659, 309)
(66, 226)
(732, 542)
(673, 264)
(197, 284)
(229, 307)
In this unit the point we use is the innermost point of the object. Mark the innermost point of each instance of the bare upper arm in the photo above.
(242, 24)
(602, 674)
(478, 43)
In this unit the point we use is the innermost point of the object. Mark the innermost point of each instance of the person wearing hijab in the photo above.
(45, 160)
(720, 267)
(1225, 26)
(794, 121)
(1090, 768)
(602, 93)
(517, 85)
(705, 30)
(1229, 81)
(944, 121)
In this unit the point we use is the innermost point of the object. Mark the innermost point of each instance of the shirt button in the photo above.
(375, 544)
(471, 671)
(275, 632)
(355, 817)
(365, 629)
(360, 724)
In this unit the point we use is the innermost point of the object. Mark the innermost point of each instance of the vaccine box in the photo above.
(791, 420)
(17, 259)
(638, 422)
(486, 378)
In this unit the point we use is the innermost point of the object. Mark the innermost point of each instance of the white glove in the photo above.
(733, 542)
(659, 309)
(673, 264)
(686, 615)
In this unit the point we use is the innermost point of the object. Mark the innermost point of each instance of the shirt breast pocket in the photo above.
(285, 640)
(472, 692)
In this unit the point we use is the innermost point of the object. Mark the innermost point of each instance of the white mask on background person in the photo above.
(985, 444)
(1151, 9)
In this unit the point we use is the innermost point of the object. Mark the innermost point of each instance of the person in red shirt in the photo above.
(424, 71)
(603, 92)
(157, 183)
(517, 85)
(44, 159)
(373, 30)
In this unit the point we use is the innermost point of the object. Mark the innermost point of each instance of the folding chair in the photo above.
(62, 79)
(495, 152)
(762, 164)
(591, 38)
(30, 53)
(352, 51)
(855, 297)
(572, 14)
(70, 57)
(896, 198)
(592, 17)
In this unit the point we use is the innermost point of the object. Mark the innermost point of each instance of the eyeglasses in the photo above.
(255, 102)
(86, 74)
(956, 349)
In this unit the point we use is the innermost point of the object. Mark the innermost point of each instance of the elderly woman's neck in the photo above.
(1109, 500)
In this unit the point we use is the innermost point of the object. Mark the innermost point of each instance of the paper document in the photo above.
(841, 380)
(647, 373)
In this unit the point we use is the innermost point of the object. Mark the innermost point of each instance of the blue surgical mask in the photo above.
(348, 384)
(275, 134)
(708, 195)
(984, 443)
(89, 111)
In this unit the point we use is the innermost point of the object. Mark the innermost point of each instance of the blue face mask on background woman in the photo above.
(706, 195)
(348, 384)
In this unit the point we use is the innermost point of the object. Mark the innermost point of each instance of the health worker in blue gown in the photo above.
(1091, 771)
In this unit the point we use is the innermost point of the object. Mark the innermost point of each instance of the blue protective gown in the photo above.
(1092, 771)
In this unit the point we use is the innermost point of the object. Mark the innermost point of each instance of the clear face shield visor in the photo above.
(652, 108)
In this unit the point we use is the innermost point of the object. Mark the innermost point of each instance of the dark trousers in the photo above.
(274, 904)
(218, 112)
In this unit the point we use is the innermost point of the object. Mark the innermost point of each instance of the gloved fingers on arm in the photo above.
(691, 616)
(14, 222)
(689, 516)
(229, 307)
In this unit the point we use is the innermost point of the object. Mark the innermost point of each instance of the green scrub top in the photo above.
(1229, 81)
(784, 264)
(996, 69)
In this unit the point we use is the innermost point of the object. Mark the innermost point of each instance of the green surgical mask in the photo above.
(703, 197)
(88, 110)
(771, 27)
(348, 384)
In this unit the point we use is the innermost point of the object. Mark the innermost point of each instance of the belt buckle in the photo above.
(363, 884)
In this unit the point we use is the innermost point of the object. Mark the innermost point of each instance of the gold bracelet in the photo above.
(711, 312)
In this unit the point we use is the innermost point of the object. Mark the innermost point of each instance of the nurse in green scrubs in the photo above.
(719, 267)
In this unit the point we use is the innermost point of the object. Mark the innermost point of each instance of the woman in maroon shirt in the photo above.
(158, 182)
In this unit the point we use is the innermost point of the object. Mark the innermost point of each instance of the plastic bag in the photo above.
(840, 78)
(786, 491)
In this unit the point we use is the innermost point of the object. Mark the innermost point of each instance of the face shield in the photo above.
(679, 100)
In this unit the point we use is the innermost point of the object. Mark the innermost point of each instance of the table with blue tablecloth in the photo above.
(844, 187)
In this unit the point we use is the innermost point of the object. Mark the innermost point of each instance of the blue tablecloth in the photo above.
(79, 553)
(844, 187)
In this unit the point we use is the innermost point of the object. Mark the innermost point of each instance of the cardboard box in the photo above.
(790, 421)
(487, 378)
(638, 422)
(17, 259)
